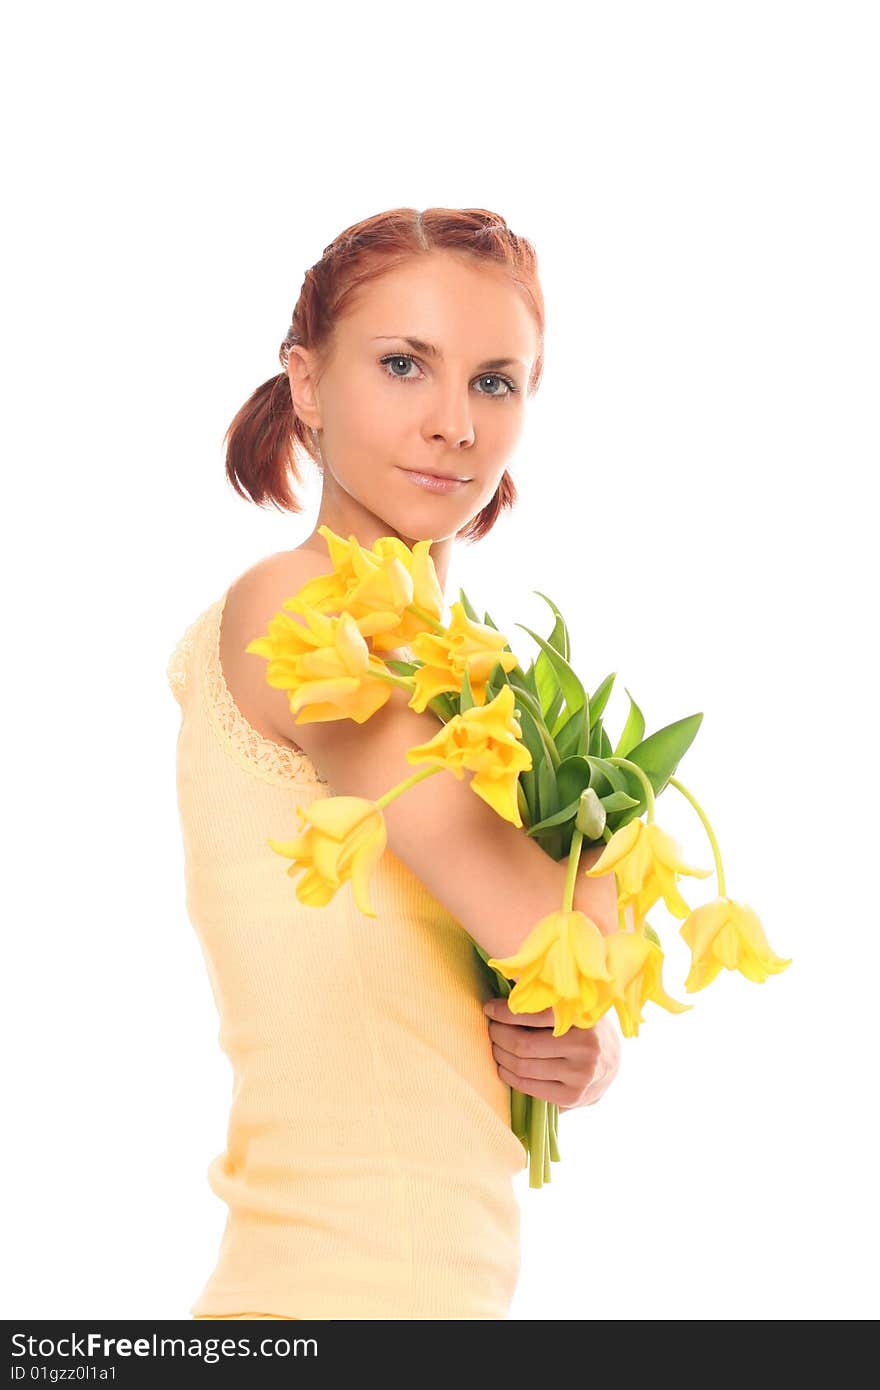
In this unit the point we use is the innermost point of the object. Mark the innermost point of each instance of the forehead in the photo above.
(447, 300)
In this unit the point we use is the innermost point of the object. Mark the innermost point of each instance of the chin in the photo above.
(439, 527)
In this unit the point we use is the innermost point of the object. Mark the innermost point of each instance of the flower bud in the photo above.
(590, 819)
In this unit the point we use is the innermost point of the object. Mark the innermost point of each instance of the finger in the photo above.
(540, 1042)
(500, 1009)
(534, 1068)
(529, 1042)
(553, 1091)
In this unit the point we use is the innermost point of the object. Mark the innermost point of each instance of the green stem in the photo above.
(405, 785)
(719, 868)
(574, 855)
(405, 682)
(426, 618)
(554, 1133)
(534, 707)
(547, 1175)
(643, 778)
(537, 1141)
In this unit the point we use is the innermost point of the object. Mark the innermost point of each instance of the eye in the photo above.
(405, 359)
(505, 381)
(398, 357)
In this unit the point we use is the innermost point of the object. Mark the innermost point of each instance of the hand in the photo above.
(573, 1070)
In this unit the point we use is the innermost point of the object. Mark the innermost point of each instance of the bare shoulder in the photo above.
(253, 599)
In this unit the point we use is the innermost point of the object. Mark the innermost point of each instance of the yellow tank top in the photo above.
(369, 1160)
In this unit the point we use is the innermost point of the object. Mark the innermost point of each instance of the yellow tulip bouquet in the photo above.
(534, 743)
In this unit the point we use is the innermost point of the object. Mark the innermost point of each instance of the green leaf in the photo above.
(559, 818)
(545, 676)
(572, 777)
(660, 754)
(596, 731)
(613, 775)
(618, 801)
(575, 696)
(583, 744)
(633, 729)
(599, 699)
(566, 714)
(530, 736)
(497, 679)
(443, 705)
(522, 805)
(524, 680)
(546, 682)
(402, 668)
(530, 681)
(572, 733)
(468, 606)
(559, 637)
(536, 738)
(548, 795)
(526, 700)
(467, 700)
(552, 714)
(489, 623)
(651, 934)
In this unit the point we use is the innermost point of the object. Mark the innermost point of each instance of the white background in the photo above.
(697, 482)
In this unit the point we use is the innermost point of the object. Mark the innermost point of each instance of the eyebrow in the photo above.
(431, 350)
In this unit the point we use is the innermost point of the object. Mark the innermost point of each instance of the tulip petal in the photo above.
(620, 844)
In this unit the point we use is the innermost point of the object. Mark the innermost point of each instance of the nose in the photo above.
(449, 417)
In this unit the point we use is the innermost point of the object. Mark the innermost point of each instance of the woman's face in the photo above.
(388, 410)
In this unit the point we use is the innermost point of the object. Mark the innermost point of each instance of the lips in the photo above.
(435, 482)
(432, 473)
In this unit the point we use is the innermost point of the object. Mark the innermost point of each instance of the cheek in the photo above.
(511, 428)
(479, 500)
(360, 412)
(377, 417)
(360, 439)
(497, 440)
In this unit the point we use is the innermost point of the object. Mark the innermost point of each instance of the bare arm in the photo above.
(493, 879)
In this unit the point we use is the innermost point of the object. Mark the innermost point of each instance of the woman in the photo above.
(369, 1162)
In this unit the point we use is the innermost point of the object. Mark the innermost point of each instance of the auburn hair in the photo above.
(262, 443)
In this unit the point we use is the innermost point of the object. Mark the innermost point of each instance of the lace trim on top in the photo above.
(180, 662)
(274, 762)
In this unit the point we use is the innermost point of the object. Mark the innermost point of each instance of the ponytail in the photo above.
(261, 460)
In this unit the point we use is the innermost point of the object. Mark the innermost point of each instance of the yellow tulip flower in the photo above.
(646, 862)
(560, 965)
(636, 963)
(344, 839)
(485, 740)
(375, 587)
(426, 592)
(463, 646)
(325, 665)
(729, 934)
